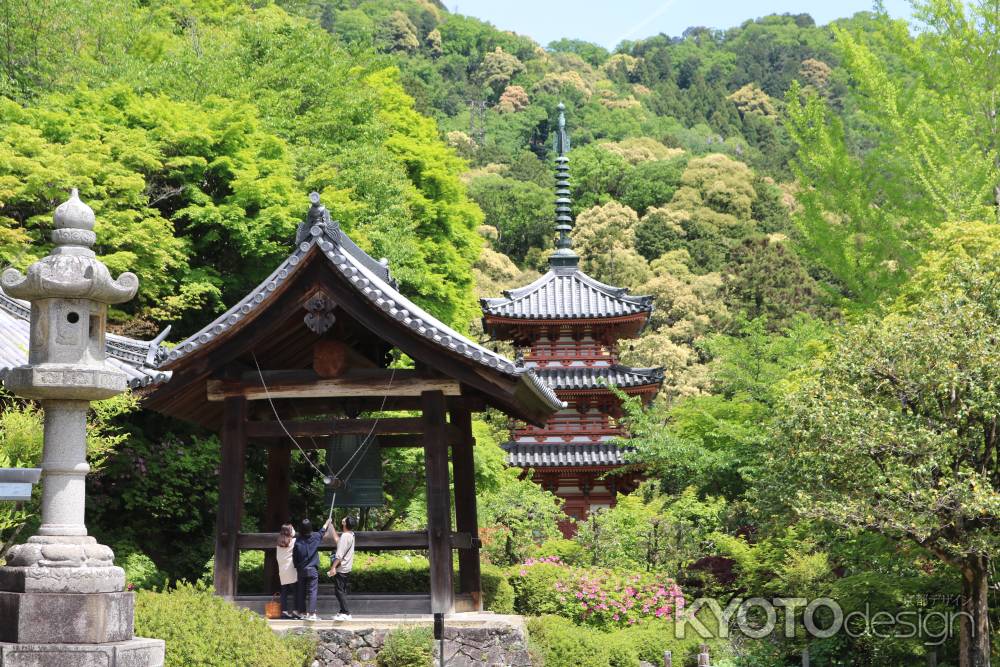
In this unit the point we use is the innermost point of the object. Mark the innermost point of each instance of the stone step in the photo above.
(366, 604)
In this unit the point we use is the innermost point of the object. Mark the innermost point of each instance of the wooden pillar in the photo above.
(465, 504)
(279, 461)
(438, 501)
(232, 467)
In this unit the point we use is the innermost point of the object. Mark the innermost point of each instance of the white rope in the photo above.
(365, 443)
(277, 417)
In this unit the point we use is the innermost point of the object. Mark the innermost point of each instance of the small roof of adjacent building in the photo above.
(563, 294)
(138, 359)
(591, 378)
(565, 455)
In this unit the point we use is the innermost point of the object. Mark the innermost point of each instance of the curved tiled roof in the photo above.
(372, 280)
(598, 377)
(136, 358)
(566, 294)
(549, 455)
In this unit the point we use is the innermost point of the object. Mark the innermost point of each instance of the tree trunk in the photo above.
(974, 624)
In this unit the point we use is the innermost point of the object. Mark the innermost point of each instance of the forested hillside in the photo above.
(813, 209)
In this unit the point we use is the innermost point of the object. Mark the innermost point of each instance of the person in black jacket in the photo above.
(306, 560)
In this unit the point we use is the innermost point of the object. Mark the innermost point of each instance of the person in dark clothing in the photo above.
(306, 560)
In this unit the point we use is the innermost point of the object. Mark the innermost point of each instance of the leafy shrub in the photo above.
(390, 573)
(203, 630)
(563, 644)
(568, 551)
(596, 597)
(408, 647)
(649, 640)
(251, 573)
(498, 594)
(140, 570)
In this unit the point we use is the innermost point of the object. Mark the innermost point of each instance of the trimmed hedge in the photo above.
(203, 630)
(498, 594)
(381, 573)
(560, 643)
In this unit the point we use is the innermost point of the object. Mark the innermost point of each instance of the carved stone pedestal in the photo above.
(132, 653)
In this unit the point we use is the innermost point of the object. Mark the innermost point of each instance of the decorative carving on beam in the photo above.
(319, 313)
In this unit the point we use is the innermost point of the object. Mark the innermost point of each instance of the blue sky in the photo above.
(607, 23)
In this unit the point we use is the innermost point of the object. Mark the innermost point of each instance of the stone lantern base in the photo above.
(63, 603)
(136, 652)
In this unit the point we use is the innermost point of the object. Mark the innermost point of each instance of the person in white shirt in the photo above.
(342, 564)
(286, 570)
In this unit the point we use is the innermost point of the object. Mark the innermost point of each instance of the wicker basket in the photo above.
(272, 609)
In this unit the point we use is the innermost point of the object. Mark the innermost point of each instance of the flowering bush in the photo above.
(598, 597)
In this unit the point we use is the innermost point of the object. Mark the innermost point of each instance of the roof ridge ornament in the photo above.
(563, 260)
(318, 219)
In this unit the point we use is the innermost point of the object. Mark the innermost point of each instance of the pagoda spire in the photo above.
(564, 257)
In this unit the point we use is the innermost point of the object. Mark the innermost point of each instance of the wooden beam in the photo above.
(469, 575)
(384, 442)
(438, 503)
(365, 539)
(309, 384)
(300, 408)
(232, 470)
(384, 426)
(276, 511)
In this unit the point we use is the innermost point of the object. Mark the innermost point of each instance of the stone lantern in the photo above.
(62, 599)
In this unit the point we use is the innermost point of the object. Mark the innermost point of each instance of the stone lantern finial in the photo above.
(70, 270)
(74, 226)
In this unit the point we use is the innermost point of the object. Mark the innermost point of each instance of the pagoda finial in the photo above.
(563, 257)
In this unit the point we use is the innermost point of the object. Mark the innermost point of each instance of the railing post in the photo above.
(668, 659)
(703, 659)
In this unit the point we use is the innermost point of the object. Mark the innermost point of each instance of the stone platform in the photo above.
(365, 604)
(471, 639)
(132, 653)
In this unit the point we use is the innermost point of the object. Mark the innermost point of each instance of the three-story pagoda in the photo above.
(567, 326)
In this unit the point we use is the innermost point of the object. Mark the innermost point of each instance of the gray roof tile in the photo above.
(371, 279)
(566, 294)
(549, 455)
(598, 377)
(136, 358)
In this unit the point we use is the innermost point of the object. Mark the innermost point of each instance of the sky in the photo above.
(608, 22)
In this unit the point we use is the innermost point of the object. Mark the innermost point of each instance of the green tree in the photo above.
(521, 212)
(498, 69)
(929, 136)
(900, 426)
(186, 194)
(604, 236)
(764, 278)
